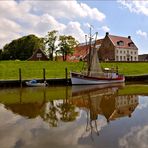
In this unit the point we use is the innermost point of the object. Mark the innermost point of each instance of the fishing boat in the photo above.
(34, 83)
(92, 72)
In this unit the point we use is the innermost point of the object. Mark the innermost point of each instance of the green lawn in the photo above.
(34, 69)
(129, 68)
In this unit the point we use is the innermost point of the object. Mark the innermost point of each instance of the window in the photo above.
(39, 55)
(131, 44)
(116, 58)
(120, 58)
(120, 43)
(131, 52)
(120, 51)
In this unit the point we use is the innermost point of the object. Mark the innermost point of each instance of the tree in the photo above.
(22, 48)
(0, 54)
(67, 45)
(50, 40)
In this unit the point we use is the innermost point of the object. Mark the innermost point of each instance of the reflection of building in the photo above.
(124, 106)
(110, 106)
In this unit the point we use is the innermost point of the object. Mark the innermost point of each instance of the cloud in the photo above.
(78, 33)
(141, 33)
(137, 137)
(139, 7)
(19, 18)
(71, 9)
(93, 13)
(32, 133)
(105, 29)
(8, 30)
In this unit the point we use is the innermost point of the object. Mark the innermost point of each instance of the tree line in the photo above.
(52, 44)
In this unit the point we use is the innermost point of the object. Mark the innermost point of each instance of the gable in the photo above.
(38, 55)
(122, 42)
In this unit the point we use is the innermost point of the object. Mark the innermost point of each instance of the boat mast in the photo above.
(89, 55)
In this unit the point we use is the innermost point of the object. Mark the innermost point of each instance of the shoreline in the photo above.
(66, 82)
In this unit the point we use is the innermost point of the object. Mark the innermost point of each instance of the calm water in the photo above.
(74, 117)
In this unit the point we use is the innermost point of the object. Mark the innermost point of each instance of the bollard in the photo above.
(20, 77)
(66, 75)
(44, 75)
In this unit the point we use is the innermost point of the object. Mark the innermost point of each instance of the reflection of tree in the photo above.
(63, 111)
(67, 111)
(50, 115)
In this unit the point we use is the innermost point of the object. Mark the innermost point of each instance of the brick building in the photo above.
(111, 48)
(117, 48)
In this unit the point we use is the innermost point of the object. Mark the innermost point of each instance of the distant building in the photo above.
(117, 48)
(143, 57)
(38, 55)
(81, 51)
(111, 48)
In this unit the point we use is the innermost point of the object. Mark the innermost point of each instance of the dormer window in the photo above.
(131, 44)
(120, 43)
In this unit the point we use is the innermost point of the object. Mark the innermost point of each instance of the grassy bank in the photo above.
(34, 69)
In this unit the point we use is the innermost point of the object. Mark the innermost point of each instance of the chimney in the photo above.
(129, 37)
(107, 33)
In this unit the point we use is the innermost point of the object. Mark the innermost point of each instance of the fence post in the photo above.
(20, 77)
(66, 75)
(44, 75)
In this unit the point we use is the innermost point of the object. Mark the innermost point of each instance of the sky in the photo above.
(74, 17)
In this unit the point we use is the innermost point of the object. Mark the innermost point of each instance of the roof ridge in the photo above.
(118, 36)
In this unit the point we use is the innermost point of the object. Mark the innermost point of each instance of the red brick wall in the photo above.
(107, 50)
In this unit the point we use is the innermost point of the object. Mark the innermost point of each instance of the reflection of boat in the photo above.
(80, 89)
(34, 83)
(93, 73)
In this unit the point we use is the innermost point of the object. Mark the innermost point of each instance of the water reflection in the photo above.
(104, 102)
(52, 111)
(74, 117)
(96, 102)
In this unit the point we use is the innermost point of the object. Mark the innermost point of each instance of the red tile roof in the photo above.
(79, 52)
(126, 41)
(82, 50)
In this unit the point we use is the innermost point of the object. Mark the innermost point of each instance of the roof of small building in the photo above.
(127, 41)
(38, 51)
(143, 57)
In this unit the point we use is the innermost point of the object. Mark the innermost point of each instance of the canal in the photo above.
(74, 117)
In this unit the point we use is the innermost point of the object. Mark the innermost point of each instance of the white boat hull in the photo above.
(79, 79)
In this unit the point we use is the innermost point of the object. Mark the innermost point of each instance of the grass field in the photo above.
(34, 69)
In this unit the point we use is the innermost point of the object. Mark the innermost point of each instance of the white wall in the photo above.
(122, 54)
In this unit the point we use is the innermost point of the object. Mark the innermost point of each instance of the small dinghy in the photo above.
(34, 83)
